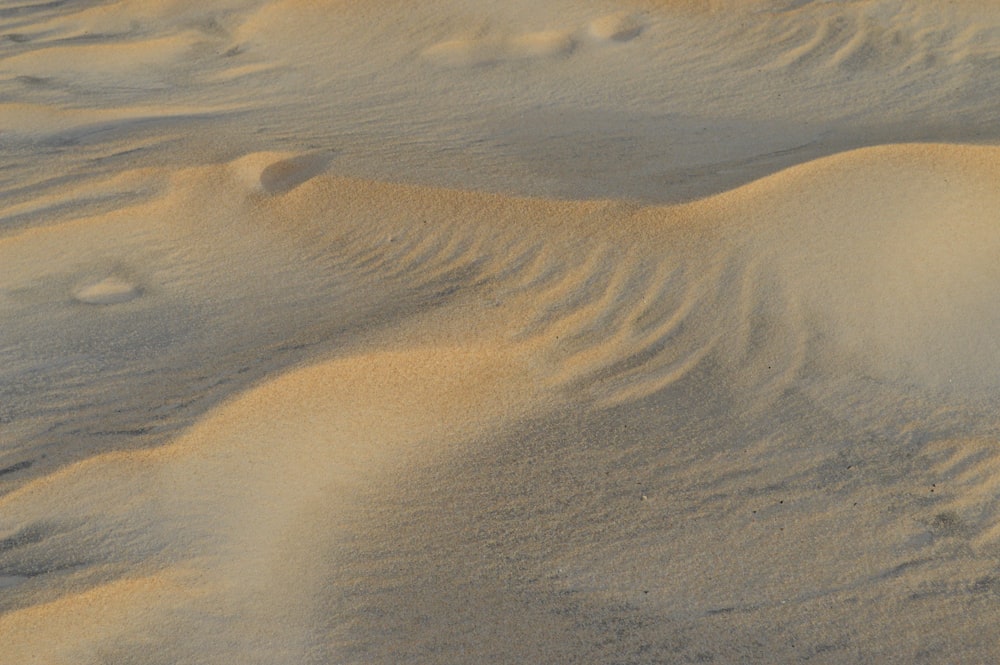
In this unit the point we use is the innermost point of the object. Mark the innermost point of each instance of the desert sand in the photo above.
(603, 331)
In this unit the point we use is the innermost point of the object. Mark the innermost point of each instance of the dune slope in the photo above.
(459, 332)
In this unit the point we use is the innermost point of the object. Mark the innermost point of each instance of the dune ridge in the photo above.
(488, 313)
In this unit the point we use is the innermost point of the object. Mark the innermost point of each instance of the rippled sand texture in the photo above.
(633, 332)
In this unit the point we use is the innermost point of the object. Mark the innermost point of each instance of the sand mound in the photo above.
(326, 438)
(893, 250)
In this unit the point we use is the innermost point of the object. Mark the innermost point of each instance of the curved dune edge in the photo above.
(879, 263)
(319, 435)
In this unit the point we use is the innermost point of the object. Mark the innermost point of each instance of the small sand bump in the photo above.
(108, 291)
(488, 51)
(278, 172)
(287, 174)
(615, 28)
(544, 44)
(465, 52)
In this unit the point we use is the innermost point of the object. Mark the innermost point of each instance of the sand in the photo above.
(373, 332)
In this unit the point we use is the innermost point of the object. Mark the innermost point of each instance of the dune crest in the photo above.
(503, 311)
(317, 437)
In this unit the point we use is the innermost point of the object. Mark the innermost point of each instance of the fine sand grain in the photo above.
(532, 332)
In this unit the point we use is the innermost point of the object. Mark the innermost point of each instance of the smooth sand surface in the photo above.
(526, 332)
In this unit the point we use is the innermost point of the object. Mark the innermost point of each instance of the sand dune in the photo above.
(588, 332)
(505, 311)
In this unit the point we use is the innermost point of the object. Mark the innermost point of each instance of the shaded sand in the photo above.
(596, 332)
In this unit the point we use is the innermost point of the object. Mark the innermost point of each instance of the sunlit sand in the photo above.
(525, 332)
